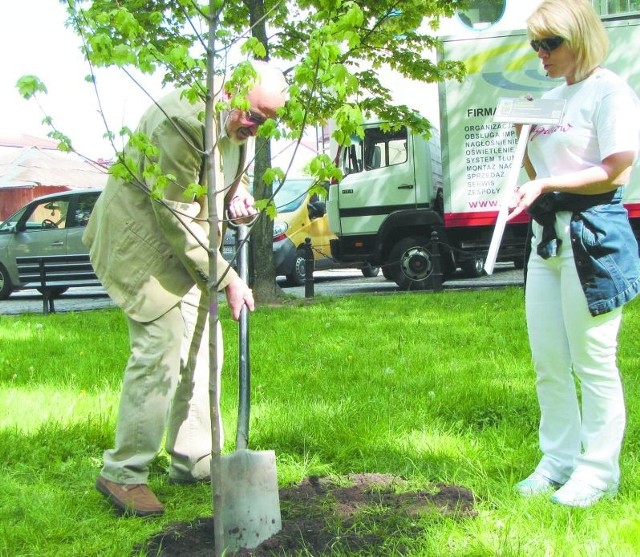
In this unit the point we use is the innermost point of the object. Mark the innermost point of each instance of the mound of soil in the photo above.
(323, 515)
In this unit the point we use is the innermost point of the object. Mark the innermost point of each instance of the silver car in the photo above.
(49, 225)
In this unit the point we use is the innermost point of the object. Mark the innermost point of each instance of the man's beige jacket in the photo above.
(149, 252)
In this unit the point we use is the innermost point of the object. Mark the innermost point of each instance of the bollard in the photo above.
(436, 273)
(308, 269)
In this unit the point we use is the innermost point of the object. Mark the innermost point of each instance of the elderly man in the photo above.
(150, 252)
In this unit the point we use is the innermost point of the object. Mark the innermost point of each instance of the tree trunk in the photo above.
(263, 274)
(265, 288)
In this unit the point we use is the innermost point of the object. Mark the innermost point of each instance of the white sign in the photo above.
(529, 111)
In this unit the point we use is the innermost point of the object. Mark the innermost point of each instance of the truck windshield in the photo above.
(378, 149)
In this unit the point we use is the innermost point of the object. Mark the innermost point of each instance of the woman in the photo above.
(583, 264)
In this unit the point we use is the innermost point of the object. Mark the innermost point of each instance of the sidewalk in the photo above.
(75, 299)
(336, 282)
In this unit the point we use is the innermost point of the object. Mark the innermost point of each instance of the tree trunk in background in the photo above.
(263, 274)
(263, 279)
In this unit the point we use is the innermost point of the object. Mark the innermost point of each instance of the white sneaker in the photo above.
(536, 484)
(578, 494)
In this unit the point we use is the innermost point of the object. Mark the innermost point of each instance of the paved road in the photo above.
(75, 299)
(339, 282)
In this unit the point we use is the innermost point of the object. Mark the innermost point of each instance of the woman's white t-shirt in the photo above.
(602, 117)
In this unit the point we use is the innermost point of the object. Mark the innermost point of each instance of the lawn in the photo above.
(432, 387)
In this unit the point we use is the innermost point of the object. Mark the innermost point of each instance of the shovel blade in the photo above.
(250, 501)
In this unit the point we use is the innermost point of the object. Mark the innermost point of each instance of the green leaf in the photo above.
(29, 85)
(269, 176)
(120, 171)
(267, 207)
(194, 191)
(254, 48)
(123, 55)
(64, 142)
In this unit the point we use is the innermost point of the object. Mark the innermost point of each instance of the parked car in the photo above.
(300, 215)
(49, 225)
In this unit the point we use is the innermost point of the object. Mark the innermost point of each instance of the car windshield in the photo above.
(292, 193)
(10, 224)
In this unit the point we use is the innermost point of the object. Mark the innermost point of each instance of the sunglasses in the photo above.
(546, 44)
(255, 118)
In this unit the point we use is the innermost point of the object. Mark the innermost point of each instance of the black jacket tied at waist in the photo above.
(543, 210)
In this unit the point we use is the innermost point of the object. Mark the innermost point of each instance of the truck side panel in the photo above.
(479, 151)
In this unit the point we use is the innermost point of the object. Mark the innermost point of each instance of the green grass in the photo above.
(431, 387)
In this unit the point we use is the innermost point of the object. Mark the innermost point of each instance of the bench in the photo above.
(53, 274)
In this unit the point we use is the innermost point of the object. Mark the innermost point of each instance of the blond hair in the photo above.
(578, 24)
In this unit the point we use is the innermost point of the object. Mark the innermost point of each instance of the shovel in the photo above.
(250, 500)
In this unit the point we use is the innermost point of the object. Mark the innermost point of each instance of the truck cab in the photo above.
(390, 203)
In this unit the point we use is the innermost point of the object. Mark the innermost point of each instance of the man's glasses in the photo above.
(546, 44)
(255, 118)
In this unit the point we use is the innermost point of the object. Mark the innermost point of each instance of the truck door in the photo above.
(379, 179)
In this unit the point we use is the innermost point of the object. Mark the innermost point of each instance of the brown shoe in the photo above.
(130, 499)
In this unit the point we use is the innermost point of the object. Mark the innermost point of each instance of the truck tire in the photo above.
(388, 272)
(411, 263)
(6, 288)
(297, 275)
(473, 267)
(369, 271)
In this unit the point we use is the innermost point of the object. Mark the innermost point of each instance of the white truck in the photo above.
(398, 188)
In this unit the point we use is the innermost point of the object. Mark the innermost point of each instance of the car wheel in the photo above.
(55, 292)
(298, 275)
(369, 271)
(473, 267)
(6, 288)
(411, 264)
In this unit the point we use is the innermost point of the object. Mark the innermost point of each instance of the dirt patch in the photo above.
(356, 514)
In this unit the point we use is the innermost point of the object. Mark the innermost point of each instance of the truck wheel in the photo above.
(473, 267)
(369, 271)
(297, 275)
(388, 272)
(5, 284)
(411, 264)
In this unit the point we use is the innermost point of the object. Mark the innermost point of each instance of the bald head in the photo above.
(266, 96)
(269, 92)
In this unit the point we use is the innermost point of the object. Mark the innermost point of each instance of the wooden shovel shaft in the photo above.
(244, 383)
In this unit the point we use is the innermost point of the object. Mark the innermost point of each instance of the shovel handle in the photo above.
(244, 380)
(510, 187)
